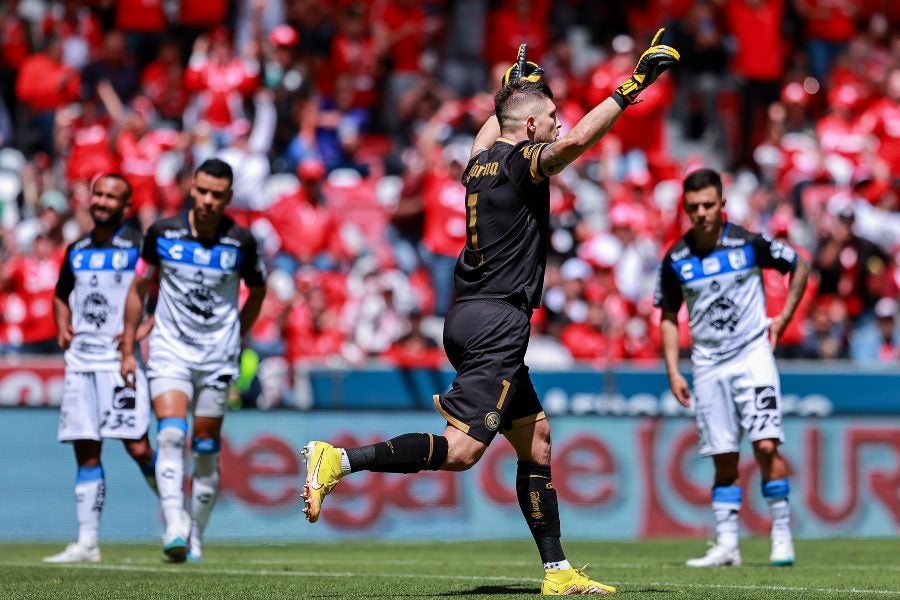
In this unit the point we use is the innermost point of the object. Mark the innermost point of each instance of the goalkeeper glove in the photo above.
(523, 70)
(653, 63)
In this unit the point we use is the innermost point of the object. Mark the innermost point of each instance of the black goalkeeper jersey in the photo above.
(507, 224)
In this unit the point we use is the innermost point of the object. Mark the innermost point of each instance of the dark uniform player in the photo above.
(499, 279)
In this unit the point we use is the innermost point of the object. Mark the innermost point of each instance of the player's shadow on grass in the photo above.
(496, 590)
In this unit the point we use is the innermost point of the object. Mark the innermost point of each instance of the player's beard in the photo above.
(107, 221)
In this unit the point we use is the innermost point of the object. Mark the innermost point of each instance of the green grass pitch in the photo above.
(488, 570)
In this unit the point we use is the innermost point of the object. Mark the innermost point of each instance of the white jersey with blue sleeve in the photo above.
(723, 289)
(94, 281)
(197, 313)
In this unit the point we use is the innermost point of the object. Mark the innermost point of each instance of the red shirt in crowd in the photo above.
(203, 14)
(512, 24)
(45, 84)
(34, 281)
(90, 152)
(830, 20)
(756, 27)
(139, 159)
(221, 87)
(444, 231)
(400, 26)
(14, 42)
(883, 121)
(305, 230)
(145, 16)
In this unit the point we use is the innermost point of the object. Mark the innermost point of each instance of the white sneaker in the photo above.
(195, 545)
(75, 553)
(782, 552)
(176, 538)
(717, 556)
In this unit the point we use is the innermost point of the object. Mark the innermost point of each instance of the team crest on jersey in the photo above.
(737, 259)
(492, 421)
(722, 314)
(227, 259)
(95, 309)
(201, 301)
(119, 260)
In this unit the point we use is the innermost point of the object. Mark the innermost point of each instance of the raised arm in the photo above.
(594, 125)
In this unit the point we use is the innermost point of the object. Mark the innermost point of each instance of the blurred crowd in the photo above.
(348, 124)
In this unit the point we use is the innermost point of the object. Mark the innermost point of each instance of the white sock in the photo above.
(170, 472)
(90, 491)
(561, 565)
(726, 514)
(204, 489)
(780, 511)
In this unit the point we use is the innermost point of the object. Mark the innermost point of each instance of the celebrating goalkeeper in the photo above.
(499, 277)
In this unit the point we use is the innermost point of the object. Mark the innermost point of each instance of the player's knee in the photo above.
(765, 449)
(172, 433)
(205, 455)
(462, 458)
(140, 450)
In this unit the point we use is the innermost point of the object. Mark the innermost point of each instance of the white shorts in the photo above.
(740, 396)
(207, 389)
(98, 404)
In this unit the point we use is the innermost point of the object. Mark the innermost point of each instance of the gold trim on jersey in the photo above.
(503, 394)
(506, 141)
(450, 419)
(528, 420)
(533, 152)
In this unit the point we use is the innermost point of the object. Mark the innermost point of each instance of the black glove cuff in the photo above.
(620, 100)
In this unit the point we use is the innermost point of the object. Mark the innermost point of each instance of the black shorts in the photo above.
(485, 341)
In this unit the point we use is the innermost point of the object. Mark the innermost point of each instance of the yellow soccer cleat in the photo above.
(323, 469)
(572, 582)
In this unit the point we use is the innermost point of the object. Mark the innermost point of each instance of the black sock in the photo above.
(407, 453)
(537, 499)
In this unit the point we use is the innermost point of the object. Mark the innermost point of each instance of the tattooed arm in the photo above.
(587, 132)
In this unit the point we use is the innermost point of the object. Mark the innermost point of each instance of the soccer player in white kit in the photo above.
(198, 259)
(716, 269)
(96, 403)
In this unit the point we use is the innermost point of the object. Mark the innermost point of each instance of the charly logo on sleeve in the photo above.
(95, 309)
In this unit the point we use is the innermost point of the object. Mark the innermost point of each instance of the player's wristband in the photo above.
(620, 100)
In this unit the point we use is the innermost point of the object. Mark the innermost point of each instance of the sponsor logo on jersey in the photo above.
(174, 233)
(122, 243)
(680, 254)
(687, 271)
(722, 314)
(96, 260)
(202, 256)
(711, 265)
(95, 309)
(730, 242)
